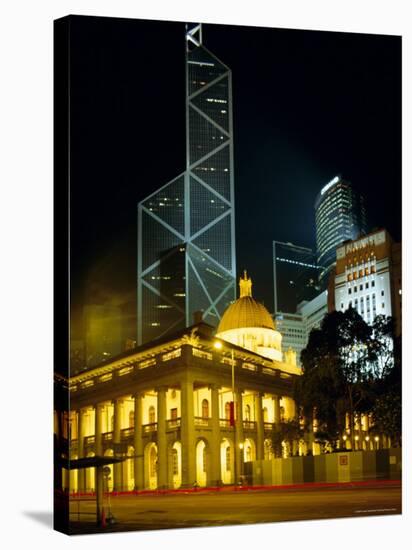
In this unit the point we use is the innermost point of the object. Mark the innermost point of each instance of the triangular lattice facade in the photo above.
(186, 237)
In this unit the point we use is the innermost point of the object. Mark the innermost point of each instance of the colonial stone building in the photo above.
(186, 410)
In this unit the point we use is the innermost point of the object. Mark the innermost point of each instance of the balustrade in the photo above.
(173, 423)
(201, 421)
(249, 425)
(147, 428)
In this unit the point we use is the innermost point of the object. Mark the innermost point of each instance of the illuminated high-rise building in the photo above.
(186, 238)
(340, 216)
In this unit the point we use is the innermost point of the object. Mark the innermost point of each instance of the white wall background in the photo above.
(26, 262)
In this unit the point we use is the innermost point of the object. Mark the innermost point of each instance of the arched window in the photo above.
(204, 458)
(248, 453)
(205, 408)
(228, 459)
(247, 412)
(152, 415)
(227, 410)
(153, 462)
(131, 419)
(175, 463)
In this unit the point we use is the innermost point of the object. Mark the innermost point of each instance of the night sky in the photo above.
(306, 106)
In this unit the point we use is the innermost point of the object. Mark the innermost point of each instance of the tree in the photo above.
(287, 431)
(387, 417)
(342, 364)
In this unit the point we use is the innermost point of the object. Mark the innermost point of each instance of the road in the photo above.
(144, 512)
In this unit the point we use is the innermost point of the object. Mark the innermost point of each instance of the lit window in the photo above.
(153, 462)
(205, 408)
(175, 463)
(228, 459)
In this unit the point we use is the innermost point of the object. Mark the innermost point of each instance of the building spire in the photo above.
(245, 285)
(194, 34)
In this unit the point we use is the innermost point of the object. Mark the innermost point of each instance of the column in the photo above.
(290, 412)
(161, 439)
(238, 439)
(215, 466)
(187, 434)
(98, 443)
(80, 449)
(99, 493)
(117, 467)
(259, 426)
(276, 409)
(138, 442)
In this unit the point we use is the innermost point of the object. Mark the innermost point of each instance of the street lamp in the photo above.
(218, 344)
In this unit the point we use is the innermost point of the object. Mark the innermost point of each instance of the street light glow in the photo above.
(218, 345)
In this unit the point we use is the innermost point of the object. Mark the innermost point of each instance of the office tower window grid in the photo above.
(340, 216)
(186, 241)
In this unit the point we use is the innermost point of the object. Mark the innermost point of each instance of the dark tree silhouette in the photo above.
(345, 367)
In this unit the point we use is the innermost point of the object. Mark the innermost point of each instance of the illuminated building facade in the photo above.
(295, 276)
(340, 216)
(368, 277)
(296, 328)
(186, 239)
(166, 405)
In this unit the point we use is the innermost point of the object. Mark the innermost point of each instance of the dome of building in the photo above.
(248, 324)
(246, 311)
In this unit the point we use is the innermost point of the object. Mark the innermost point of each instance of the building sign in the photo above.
(343, 460)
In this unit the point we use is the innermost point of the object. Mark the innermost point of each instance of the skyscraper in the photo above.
(340, 216)
(295, 276)
(186, 238)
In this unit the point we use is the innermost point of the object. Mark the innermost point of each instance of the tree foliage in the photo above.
(346, 365)
(287, 431)
(387, 414)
